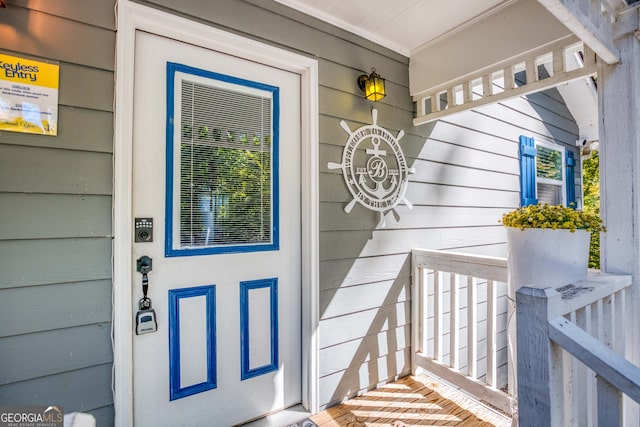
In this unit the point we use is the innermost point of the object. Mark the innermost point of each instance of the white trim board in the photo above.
(133, 17)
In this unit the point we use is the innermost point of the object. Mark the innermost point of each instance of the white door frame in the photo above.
(133, 17)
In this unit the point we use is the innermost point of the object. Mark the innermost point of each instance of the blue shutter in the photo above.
(570, 182)
(527, 171)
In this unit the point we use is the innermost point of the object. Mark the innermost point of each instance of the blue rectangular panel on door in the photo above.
(192, 324)
(259, 327)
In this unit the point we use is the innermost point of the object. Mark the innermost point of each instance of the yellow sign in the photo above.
(28, 95)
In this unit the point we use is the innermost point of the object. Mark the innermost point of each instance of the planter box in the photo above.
(546, 258)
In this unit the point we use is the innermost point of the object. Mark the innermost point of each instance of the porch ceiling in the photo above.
(450, 43)
(400, 25)
(407, 25)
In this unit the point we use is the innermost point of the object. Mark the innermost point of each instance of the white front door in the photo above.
(216, 166)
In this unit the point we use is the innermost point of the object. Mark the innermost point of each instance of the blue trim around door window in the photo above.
(170, 251)
(245, 288)
(175, 295)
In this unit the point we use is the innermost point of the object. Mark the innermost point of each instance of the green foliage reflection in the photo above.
(226, 191)
(591, 189)
(549, 163)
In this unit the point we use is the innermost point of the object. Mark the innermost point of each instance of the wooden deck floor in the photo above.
(411, 401)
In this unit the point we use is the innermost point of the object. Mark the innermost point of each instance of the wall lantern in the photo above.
(372, 85)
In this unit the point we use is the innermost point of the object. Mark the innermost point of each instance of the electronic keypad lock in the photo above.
(143, 230)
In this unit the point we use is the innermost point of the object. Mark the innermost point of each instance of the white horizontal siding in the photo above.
(467, 177)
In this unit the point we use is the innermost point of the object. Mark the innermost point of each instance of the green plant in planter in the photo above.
(553, 217)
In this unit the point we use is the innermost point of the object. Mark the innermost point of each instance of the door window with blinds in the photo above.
(550, 169)
(222, 170)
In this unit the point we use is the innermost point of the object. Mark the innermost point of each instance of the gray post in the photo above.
(539, 360)
(619, 106)
(609, 404)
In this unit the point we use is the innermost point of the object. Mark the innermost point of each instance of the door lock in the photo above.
(146, 320)
(144, 265)
(146, 316)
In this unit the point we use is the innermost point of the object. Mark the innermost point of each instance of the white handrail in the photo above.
(556, 328)
(614, 368)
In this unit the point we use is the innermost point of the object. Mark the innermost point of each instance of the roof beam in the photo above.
(498, 83)
(589, 20)
(520, 27)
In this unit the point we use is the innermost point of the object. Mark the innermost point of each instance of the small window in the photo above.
(550, 174)
(546, 173)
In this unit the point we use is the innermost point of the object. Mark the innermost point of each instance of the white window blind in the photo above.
(549, 194)
(226, 166)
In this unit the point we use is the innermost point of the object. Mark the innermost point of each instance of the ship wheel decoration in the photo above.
(374, 168)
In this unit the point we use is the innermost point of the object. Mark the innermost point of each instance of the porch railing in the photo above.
(460, 314)
(570, 344)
